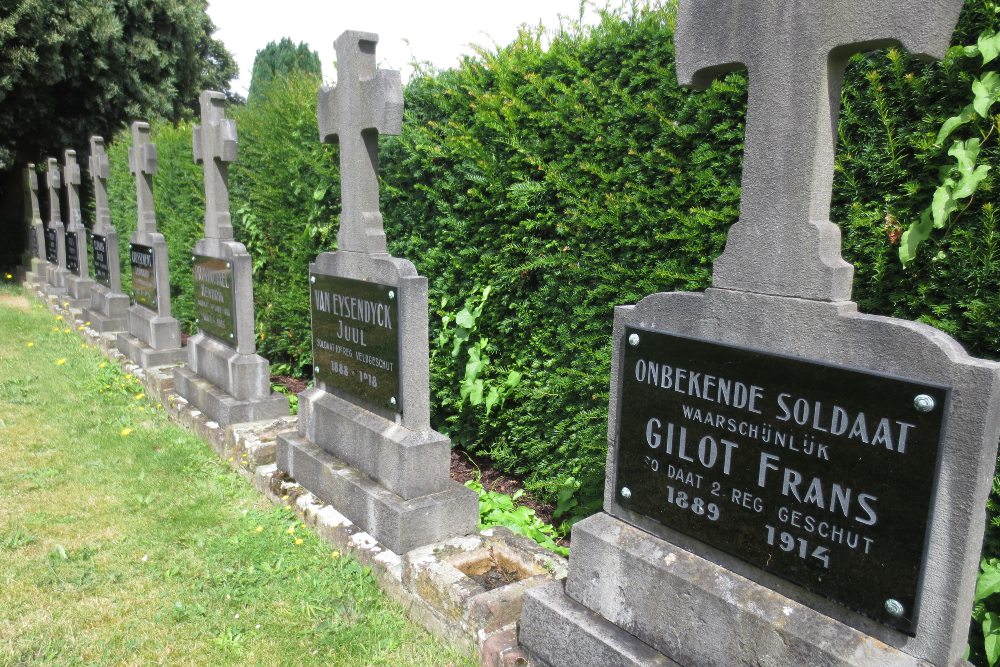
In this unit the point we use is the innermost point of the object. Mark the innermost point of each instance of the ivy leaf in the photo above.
(492, 398)
(917, 233)
(991, 633)
(955, 122)
(989, 580)
(465, 319)
(989, 47)
(987, 91)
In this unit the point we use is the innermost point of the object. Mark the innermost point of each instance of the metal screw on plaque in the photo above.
(626, 492)
(316, 369)
(923, 403)
(231, 336)
(312, 279)
(392, 400)
(392, 295)
(633, 340)
(193, 258)
(894, 607)
(229, 265)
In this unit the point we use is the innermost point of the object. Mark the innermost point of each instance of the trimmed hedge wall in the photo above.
(568, 180)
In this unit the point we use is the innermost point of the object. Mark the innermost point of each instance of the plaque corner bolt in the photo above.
(315, 369)
(229, 265)
(626, 492)
(392, 294)
(923, 403)
(392, 400)
(633, 339)
(894, 607)
(312, 279)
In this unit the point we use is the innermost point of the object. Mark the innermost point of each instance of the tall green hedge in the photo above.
(571, 179)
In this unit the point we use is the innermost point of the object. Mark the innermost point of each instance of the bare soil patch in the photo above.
(15, 301)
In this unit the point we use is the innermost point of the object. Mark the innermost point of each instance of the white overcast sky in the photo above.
(437, 31)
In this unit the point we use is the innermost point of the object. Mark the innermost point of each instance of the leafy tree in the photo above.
(278, 60)
(79, 67)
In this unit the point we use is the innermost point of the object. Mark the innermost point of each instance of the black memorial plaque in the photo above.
(51, 245)
(821, 475)
(72, 253)
(214, 298)
(143, 275)
(102, 269)
(355, 327)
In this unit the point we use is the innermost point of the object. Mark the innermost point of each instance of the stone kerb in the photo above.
(108, 310)
(78, 282)
(368, 448)
(224, 378)
(55, 240)
(153, 337)
(647, 584)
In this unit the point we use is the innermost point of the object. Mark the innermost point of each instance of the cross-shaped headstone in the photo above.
(71, 176)
(214, 148)
(795, 53)
(53, 179)
(365, 103)
(100, 169)
(32, 211)
(142, 162)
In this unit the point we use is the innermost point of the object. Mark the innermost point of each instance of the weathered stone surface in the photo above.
(33, 261)
(78, 282)
(108, 309)
(55, 271)
(784, 242)
(559, 632)
(223, 407)
(399, 524)
(153, 336)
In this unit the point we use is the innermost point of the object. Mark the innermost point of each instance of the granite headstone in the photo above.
(364, 441)
(55, 240)
(108, 310)
(789, 481)
(78, 282)
(154, 336)
(224, 377)
(35, 264)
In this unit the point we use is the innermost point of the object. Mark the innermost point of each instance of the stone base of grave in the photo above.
(78, 291)
(108, 311)
(146, 356)
(401, 525)
(221, 406)
(629, 600)
(35, 275)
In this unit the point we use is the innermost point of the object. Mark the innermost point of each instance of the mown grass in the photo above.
(124, 540)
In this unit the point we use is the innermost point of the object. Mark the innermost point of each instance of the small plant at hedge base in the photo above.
(500, 509)
(962, 179)
(293, 399)
(985, 612)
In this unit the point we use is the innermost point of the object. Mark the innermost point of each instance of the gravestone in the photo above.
(364, 442)
(224, 377)
(789, 481)
(153, 337)
(108, 310)
(55, 241)
(34, 261)
(78, 282)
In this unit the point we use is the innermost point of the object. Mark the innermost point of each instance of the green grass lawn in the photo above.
(124, 540)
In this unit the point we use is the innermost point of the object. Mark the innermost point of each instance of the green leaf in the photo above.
(991, 633)
(942, 205)
(989, 580)
(492, 398)
(465, 319)
(955, 122)
(970, 182)
(320, 192)
(513, 379)
(987, 91)
(917, 233)
(989, 47)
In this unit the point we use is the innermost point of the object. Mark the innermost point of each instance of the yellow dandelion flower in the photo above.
(60, 362)
(335, 554)
(125, 431)
(231, 459)
(140, 396)
(291, 529)
(8, 276)
(55, 329)
(259, 529)
(67, 330)
(103, 364)
(86, 324)
(81, 328)
(58, 318)
(30, 344)
(298, 540)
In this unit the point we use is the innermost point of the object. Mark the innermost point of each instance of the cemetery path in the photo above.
(124, 540)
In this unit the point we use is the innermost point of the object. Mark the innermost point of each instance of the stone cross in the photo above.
(795, 54)
(31, 212)
(100, 169)
(71, 175)
(365, 103)
(215, 147)
(142, 162)
(53, 179)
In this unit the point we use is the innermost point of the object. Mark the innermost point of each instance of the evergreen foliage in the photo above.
(572, 179)
(81, 67)
(278, 60)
